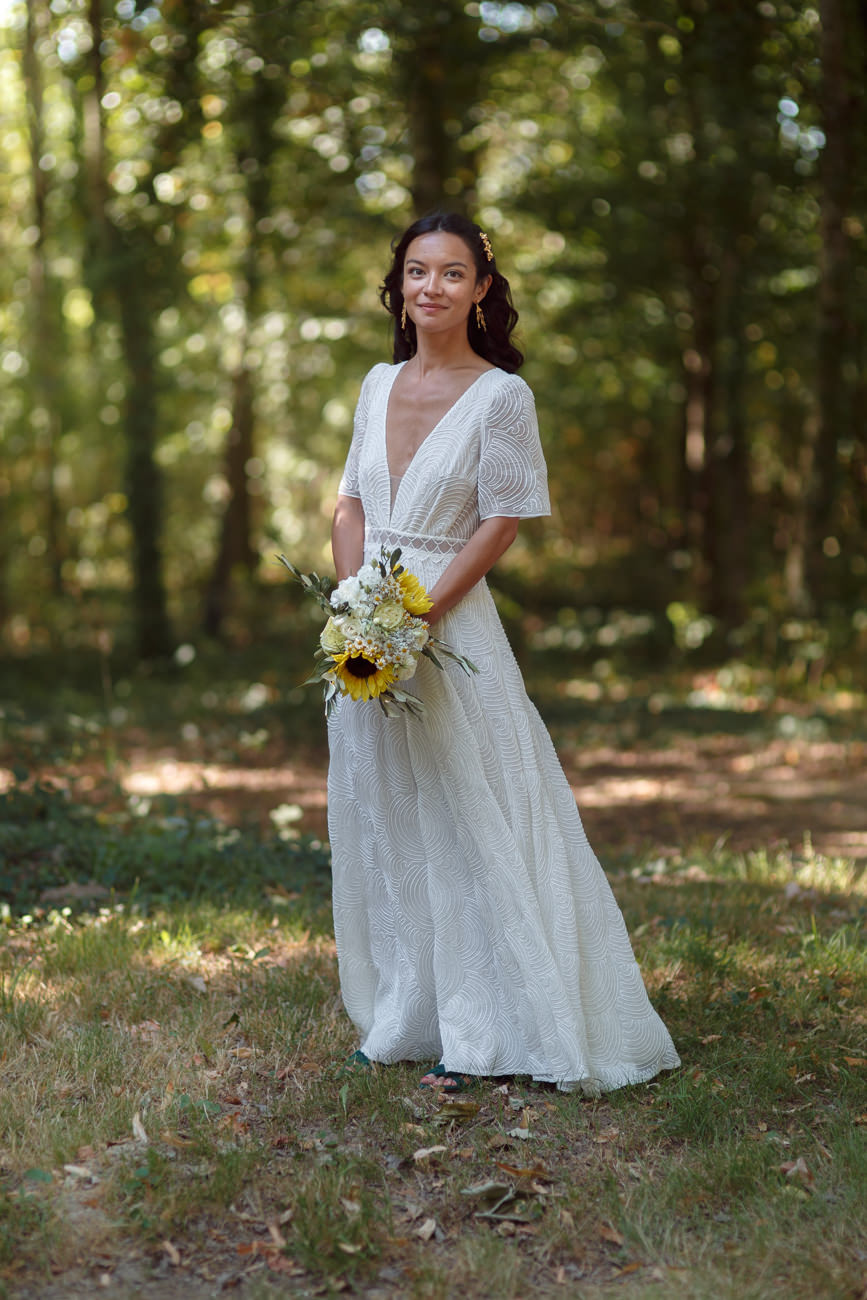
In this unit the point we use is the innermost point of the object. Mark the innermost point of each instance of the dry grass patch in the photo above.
(175, 1114)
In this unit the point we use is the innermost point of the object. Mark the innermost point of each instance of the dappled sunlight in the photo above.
(748, 791)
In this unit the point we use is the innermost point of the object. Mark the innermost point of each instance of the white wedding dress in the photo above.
(474, 924)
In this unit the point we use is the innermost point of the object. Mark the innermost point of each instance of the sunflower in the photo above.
(360, 678)
(415, 598)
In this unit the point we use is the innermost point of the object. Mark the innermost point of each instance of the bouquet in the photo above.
(374, 635)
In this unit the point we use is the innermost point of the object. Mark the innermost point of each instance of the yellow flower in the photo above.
(415, 598)
(360, 678)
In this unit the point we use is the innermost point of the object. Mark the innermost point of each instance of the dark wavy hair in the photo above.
(493, 343)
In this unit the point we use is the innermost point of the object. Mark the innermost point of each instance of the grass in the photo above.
(172, 1092)
(171, 1036)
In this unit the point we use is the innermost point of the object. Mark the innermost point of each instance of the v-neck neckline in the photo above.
(428, 435)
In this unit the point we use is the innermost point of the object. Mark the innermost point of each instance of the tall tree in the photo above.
(843, 101)
(46, 348)
(133, 267)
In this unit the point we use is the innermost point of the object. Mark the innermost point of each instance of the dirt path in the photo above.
(754, 794)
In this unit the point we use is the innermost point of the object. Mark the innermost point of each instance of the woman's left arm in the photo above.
(492, 538)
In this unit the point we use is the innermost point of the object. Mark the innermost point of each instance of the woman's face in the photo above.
(439, 281)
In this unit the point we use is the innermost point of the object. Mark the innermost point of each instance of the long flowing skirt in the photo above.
(474, 924)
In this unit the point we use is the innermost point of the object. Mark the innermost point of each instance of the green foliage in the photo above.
(47, 841)
(207, 230)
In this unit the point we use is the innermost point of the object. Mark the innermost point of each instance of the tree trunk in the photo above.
(122, 280)
(256, 146)
(730, 505)
(842, 98)
(439, 62)
(46, 349)
(235, 549)
(144, 479)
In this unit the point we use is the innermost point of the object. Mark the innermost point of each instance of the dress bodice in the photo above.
(482, 458)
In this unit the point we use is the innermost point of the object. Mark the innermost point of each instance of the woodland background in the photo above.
(196, 205)
(195, 211)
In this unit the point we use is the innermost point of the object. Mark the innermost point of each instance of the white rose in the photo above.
(389, 615)
(407, 668)
(331, 638)
(349, 626)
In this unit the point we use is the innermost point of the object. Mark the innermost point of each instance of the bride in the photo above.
(475, 927)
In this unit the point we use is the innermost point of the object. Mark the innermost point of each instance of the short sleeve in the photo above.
(349, 485)
(513, 478)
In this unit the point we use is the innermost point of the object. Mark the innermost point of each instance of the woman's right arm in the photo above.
(347, 536)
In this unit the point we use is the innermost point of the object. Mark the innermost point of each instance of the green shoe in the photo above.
(356, 1062)
(452, 1080)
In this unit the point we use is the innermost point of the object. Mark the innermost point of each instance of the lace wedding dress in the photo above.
(474, 924)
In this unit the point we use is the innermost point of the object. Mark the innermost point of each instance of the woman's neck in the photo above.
(444, 352)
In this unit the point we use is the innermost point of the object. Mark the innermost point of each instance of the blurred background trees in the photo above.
(196, 207)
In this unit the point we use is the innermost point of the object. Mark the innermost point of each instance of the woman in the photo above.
(475, 928)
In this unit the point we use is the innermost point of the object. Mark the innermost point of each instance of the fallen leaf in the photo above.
(80, 1171)
(797, 1169)
(172, 1252)
(276, 1236)
(512, 1209)
(499, 1140)
(175, 1139)
(607, 1233)
(534, 1171)
(424, 1152)
(139, 1131)
(427, 1229)
(278, 1263)
(487, 1191)
(461, 1108)
(855, 1060)
(567, 1218)
(628, 1268)
(711, 1038)
(144, 1029)
(351, 1207)
(607, 1134)
(522, 1133)
(349, 1250)
(196, 982)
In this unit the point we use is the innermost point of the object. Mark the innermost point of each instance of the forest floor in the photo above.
(175, 1120)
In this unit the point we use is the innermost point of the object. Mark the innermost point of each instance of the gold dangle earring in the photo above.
(403, 318)
(480, 318)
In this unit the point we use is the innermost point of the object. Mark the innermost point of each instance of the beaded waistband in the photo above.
(391, 540)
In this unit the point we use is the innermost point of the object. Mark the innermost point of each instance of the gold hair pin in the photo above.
(486, 245)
